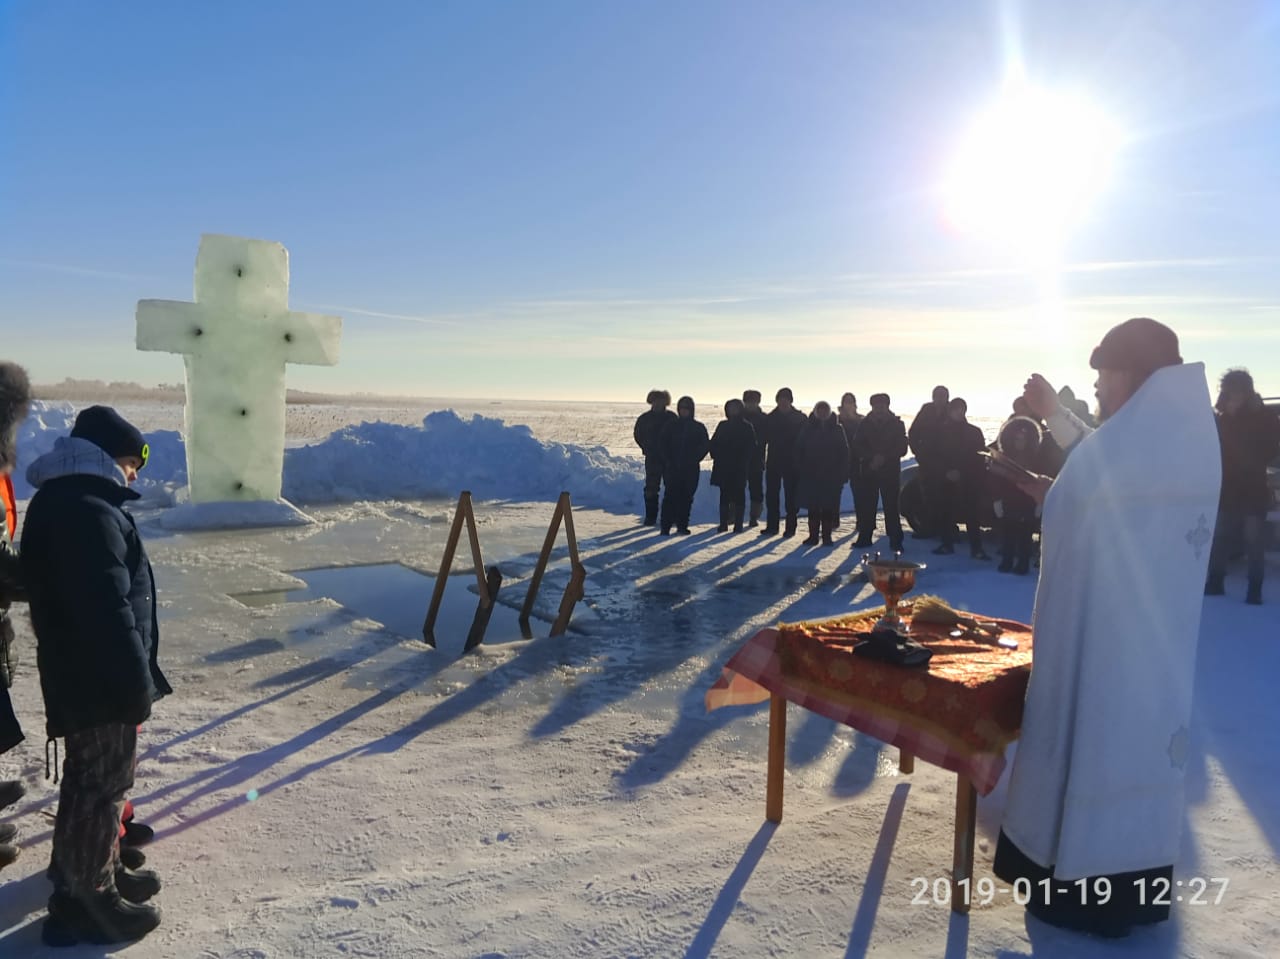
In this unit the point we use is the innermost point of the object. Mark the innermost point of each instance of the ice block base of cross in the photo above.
(232, 515)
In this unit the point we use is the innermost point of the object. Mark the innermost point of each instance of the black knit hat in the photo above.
(110, 432)
(1140, 345)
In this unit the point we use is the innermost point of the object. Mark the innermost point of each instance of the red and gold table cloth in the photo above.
(959, 712)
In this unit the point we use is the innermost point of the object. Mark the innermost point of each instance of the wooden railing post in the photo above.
(574, 591)
(488, 581)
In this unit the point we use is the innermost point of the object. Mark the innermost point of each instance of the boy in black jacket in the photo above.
(92, 597)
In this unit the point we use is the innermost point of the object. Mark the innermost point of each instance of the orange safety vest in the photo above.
(10, 504)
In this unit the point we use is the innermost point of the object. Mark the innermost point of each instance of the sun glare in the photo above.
(1028, 169)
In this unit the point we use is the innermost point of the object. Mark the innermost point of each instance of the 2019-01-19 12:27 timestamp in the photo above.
(1195, 891)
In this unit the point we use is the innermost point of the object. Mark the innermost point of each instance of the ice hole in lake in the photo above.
(397, 597)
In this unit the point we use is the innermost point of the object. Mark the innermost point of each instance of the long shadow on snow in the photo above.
(1238, 661)
(807, 742)
(669, 626)
(532, 660)
(722, 908)
(292, 681)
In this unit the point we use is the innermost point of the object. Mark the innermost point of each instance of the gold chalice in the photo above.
(892, 578)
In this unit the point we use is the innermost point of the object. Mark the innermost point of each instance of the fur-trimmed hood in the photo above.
(74, 456)
(15, 397)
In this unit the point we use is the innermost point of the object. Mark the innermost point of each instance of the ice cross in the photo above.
(236, 339)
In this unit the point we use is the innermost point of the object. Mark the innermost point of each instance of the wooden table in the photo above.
(966, 803)
(960, 714)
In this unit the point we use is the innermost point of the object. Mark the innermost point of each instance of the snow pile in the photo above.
(164, 474)
(447, 454)
(372, 461)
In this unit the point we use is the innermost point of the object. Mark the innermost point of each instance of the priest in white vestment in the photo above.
(1096, 791)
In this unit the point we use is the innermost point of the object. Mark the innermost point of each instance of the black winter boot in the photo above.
(1254, 596)
(102, 918)
(11, 790)
(137, 834)
(812, 538)
(137, 885)
(792, 523)
(1215, 586)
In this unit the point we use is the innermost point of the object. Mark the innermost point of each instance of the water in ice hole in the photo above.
(398, 597)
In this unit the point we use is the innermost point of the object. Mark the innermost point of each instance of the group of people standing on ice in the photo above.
(82, 571)
(773, 465)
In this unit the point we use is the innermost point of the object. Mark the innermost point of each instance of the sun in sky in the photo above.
(1028, 168)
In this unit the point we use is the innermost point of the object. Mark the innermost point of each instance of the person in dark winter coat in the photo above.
(822, 464)
(93, 607)
(785, 424)
(1250, 438)
(1022, 439)
(878, 446)
(759, 421)
(959, 445)
(733, 447)
(15, 398)
(925, 437)
(849, 418)
(684, 445)
(1049, 456)
(647, 433)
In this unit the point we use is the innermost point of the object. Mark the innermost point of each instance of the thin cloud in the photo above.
(71, 269)
(1190, 263)
(361, 311)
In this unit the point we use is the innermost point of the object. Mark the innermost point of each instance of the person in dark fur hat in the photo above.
(93, 607)
(1250, 438)
(647, 434)
(15, 398)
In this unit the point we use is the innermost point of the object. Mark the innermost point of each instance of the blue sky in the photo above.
(582, 200)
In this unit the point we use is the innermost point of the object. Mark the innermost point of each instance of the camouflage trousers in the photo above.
(97, 772)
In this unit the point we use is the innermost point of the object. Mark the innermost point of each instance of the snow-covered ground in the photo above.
(324, 784)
